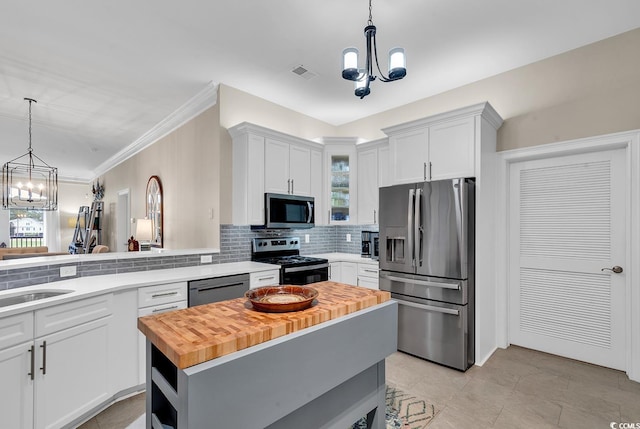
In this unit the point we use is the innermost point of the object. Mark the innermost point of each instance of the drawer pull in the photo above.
(158, 295)
(33, 362)
(370, 271)
(157, 310)
(267, 278)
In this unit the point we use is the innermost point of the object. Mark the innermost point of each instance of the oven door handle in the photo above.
(305, 268)
(429, 307)
(422, 282)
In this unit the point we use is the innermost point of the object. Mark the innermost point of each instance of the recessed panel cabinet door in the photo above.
(71, 373)
(16, 393)
(276, 167)
(409, 156)
(451, 150)
(300, 170)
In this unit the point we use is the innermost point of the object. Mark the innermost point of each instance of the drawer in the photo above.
(162, 294)
(63, 316)
(264, 278)
(162, 308)
(367, 270)
(16, 329)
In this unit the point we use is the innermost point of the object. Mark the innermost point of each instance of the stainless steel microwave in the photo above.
(289, 211)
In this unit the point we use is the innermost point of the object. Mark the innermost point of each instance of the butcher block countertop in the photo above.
(194, 335)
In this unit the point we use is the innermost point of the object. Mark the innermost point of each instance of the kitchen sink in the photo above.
(31, 296)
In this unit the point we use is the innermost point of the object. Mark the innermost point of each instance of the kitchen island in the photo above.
(226, 365)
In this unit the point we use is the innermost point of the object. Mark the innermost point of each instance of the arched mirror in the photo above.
(155, 210)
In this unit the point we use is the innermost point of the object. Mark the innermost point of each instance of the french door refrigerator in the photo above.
(426, 260)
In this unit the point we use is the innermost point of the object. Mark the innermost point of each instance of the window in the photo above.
(26, 228)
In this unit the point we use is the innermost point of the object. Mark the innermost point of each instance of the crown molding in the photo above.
(199, 103)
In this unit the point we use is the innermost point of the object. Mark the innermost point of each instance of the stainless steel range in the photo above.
(294, 268)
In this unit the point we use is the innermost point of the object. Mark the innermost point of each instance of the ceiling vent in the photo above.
(303, 72)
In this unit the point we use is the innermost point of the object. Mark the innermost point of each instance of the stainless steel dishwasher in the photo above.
(206, 291)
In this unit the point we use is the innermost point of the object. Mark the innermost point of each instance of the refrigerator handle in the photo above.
(410, 235)
(417, 229)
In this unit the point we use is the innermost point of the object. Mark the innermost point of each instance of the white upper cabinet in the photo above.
(442, 146)
(409, 156)
(268, 161)
(286, 168)
(451, 149)
(373, 162)
(342, 177)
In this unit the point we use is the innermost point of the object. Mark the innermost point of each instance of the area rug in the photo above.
(403, 411)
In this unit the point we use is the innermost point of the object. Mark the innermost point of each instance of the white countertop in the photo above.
(85, 287)
(38, 261)
(345, 257)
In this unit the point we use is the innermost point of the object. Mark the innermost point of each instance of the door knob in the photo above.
(615, 269)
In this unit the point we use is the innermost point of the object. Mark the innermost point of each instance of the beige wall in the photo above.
(187, 161)
(71, 196)
(588, 91)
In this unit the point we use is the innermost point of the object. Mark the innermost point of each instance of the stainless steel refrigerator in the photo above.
(426, 260)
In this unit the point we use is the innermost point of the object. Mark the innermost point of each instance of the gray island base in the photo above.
(326, 376)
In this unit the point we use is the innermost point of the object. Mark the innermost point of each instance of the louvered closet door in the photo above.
(567, 222)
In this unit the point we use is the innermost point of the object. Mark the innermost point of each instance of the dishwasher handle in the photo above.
(205, 289)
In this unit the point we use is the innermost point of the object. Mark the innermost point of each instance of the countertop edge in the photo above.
(86, 287)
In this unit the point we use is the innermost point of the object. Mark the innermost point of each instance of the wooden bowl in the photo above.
(281, 299)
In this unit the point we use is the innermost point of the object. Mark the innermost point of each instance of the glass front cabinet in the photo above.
(341, 181)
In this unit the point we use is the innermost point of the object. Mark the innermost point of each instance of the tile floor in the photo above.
(516, 388)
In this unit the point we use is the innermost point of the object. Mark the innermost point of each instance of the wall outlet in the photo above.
(348, 237)
(68, 271)
(206, 259)
(306, 238)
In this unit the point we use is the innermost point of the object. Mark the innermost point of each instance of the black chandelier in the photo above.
(364, 77)
(28, 182)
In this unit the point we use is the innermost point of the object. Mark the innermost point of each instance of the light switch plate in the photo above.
(206, 259)
(306, 238)
(68, 271)
(348, 237)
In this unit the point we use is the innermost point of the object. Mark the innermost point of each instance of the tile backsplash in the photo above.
(235, 246)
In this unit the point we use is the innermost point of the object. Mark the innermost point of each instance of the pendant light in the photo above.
(364, 77)
(28, 182)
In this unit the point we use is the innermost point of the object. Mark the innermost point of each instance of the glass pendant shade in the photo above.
(397, 64)
(361, 87)
(350, 63)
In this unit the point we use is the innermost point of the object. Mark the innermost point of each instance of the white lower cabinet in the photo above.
(16, 394)
(335, 271)
(57, 367)
(156, 299)
(264, 278)
(72, 373)
(368, 275)
(350, 273)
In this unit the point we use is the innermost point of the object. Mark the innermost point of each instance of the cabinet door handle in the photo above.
(374, 216)
(292, 186)
(424, 171)
(33, 362)
(43, 346)
(288, 186)
(430, 170)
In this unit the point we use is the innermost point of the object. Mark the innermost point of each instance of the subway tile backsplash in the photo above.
(235, 246)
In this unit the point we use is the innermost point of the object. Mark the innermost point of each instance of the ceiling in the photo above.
(104, 73)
